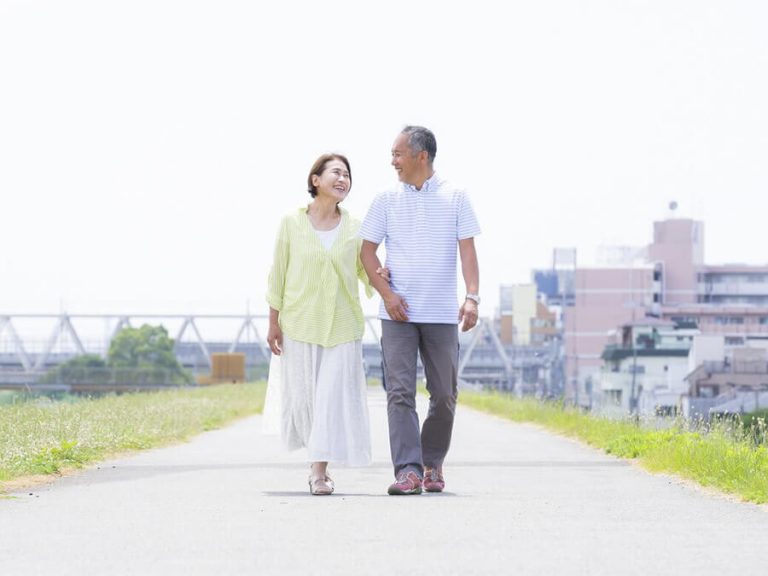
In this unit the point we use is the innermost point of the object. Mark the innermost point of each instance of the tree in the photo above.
(88, 368)
(147, 352)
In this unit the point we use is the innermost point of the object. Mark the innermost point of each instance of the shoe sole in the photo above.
(398, 492)
(320, 492)
(434, 489)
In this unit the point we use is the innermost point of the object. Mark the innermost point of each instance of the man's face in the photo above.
(405, 162)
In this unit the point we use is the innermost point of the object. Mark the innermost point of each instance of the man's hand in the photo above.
(468, 314)
(396, 307)
(275, 339)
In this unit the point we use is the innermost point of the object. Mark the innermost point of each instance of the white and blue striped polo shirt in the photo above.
(421, 230)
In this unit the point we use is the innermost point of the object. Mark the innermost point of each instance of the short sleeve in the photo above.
(467, 225)
(374, 226)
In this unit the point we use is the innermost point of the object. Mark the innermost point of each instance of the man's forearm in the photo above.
(470, 269)
(371, 264)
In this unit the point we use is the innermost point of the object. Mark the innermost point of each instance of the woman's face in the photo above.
(334, 182)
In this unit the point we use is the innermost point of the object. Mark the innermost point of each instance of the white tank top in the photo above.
(328, 237)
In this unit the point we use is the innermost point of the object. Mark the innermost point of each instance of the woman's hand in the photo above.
(384, 273)
(275, 338)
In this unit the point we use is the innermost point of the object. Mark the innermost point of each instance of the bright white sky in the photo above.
(149, 148)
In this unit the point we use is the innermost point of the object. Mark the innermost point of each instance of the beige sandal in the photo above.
(321, 486)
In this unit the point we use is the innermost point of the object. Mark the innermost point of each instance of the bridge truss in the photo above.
(33, 344)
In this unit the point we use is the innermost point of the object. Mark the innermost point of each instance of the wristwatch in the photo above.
(474, 297)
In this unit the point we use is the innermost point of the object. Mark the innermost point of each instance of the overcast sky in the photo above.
(149, 148)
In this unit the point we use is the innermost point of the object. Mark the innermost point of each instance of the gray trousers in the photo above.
(438, 344)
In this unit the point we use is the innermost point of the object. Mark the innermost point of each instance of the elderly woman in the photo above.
(316, 324)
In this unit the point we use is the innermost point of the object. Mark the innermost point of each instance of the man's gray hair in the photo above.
(420, 138)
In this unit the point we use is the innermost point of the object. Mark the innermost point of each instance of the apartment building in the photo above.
(524, 320)
(644, 371)
(669, 280)
(722, 380)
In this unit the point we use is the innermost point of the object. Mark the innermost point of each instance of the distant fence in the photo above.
(92, 380)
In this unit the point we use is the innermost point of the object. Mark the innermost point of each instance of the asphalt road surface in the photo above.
(518, 500)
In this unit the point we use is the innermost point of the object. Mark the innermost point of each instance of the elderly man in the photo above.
(421, 221)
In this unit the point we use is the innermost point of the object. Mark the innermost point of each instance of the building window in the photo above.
(763, 320)
(728, 320)
(708, 390)
(734, 341)
(688, 322)
(613, 397)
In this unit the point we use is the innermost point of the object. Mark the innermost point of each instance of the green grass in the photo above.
(8, 397)
(47, 437)
(373, 382)
(730, 455)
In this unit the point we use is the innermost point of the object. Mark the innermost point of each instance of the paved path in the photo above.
(519, 501)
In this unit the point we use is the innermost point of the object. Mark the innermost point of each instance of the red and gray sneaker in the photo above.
(406, 483)
(433, 480)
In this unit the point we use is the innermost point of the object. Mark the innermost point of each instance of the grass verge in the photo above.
(44, 437)
(727, 455)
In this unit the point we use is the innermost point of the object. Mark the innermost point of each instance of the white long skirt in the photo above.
(316, 398)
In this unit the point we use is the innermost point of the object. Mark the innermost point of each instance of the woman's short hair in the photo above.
(319, 167)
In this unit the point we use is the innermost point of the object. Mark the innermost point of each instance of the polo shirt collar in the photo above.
(430, 184)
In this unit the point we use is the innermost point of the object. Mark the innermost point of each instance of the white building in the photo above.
(644, 371)
(723, 379)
